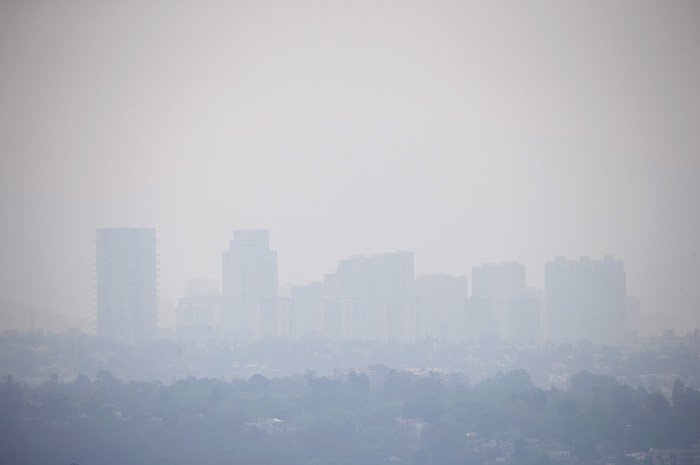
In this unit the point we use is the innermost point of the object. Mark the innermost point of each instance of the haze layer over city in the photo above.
(466, 133)
(311, 232)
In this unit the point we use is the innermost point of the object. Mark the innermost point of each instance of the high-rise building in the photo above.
(306, 301)
(382, 286)
(275, 319)
(336, 317)
(400, 319)
(249, 283)
(443, 299)
(126, 284)
(586, 299)
(525, 325)
(494, 287)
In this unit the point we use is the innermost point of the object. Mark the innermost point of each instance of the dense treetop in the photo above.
(374, 416)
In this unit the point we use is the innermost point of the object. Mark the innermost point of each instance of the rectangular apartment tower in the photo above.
(586, 299)
(382, 286)
(249, 283)
(495, 287)
(443, 301)
(126, 284)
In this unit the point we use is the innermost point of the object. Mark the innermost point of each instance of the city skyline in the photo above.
(258, 242)
(374, 297)
(368, 297)
(468, 133)
(379, 297)
(422, 232)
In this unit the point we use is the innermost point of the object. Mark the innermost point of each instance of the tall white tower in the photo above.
(586, 299)
(249, 282)
(126, 284)
(495, 287)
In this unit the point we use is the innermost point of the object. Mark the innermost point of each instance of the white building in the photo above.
(377, 283)
(126, 284)
(526, 325)
(336, 317)
(400, 319)
(306, 300)
(443, 300)
(249, 283)
(494, 287)
(586, 299)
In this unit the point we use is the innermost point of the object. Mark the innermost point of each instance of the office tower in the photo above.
(382, 286)
(586, 299)
(494, 287)
(275, 318)
(400, 319)
(443, 300)
(249, 283)
(368, 298)
(126, 284)
(525, 325)
(336, 317)
(305, 300)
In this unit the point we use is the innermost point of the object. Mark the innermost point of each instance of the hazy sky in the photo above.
(465, 131)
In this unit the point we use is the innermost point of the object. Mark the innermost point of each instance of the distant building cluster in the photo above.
(368, 298)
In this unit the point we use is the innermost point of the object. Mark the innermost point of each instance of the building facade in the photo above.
(494, 287)
(336, 318)
(306, 302)
(126, 284)
(586, 299)
(443, 300)
(249, 284)
(501, 308)
(525, 322)
(382, 287)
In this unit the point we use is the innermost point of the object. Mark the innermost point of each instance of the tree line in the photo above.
(377, 416)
